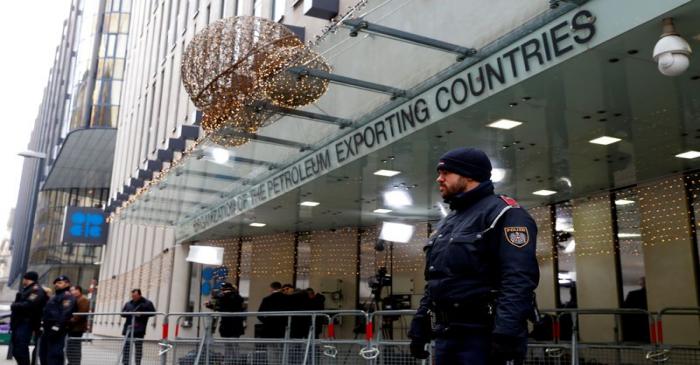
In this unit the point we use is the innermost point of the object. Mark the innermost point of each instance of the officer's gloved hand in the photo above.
(504, 348)
(418, 349)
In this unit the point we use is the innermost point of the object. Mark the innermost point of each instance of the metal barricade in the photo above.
(293, 348)
(129, 349)
(335, 349)
(672, 354)
(391, 346)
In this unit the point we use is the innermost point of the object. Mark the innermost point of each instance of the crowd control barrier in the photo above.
(380, 337)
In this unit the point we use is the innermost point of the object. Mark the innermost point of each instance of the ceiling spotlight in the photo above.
(396, 232)
(309, 204)
(504, 124)
(624, 202)
(397, 198)
(604, 140)
(387, 173)
(497, 175)
(544, 192)
(254, 224)
(689, 155)
(671, 52)
(382, 211)
(220, 155)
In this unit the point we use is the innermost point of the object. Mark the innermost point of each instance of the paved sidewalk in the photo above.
(3, 356)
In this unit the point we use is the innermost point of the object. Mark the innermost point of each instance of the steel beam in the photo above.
(360, 84)
(358, 24)
(342, 123)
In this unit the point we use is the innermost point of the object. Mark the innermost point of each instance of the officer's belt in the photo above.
(468, 314)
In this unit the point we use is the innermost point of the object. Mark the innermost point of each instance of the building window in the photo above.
(257, 8)
(566, 254)
(278, 10)
(630, 239)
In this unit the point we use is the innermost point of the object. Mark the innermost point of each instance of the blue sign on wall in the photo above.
(85, 225)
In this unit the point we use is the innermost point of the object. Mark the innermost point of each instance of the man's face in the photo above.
(61, 284)
(75, 292)
(26, 282)
(450, 183)
(287, 290)
(135, 296)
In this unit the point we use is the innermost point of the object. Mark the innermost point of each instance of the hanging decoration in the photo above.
(236, 66)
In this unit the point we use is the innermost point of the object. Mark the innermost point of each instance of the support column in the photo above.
(668, 256)
(596, 270)
(546, 290)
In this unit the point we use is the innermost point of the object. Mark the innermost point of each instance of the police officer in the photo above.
(26, 316)
(57, 314)
(481, 270)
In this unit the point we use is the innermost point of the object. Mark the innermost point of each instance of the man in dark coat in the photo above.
(26, 316)
(55, 320)
(273, 326)
(635, 327)
(317, 303)
(481, 270)
(228, 301)
(138, 330)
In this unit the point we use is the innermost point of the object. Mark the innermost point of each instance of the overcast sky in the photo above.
(29, 34)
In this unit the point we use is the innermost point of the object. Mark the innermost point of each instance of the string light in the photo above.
(236, 64)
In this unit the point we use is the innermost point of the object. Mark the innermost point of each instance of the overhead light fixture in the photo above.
(309, 204)
(397, 198)
(604, 140)
(624, 202)
(220, 155)
(497, 175)
(387, 173)
(396, 232)
(254, 224)
(206, 255)
(382, 211)
(629, 235)
(689, 155)
(504, 124)
(544, 192)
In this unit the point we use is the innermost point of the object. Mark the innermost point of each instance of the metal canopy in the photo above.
(84, 161)
(295, 133)
(349, 194)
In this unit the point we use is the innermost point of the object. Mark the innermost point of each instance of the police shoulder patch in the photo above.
(517, 236)
(32, 297)
(510, 201)
(66, 303)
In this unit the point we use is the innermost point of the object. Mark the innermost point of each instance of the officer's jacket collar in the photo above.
(468, 198)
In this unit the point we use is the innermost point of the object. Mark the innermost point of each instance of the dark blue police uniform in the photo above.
(26, 320)
(481, 272)
(57, 312)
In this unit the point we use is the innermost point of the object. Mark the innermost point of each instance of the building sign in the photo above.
(85, 225)
(569, 35)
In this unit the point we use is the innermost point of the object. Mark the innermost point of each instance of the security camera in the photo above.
(672, 52)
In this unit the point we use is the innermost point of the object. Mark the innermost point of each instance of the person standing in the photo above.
(77, 326)
(25, 319)
(481, 270)
(317, 303)
(273, 326)
(229, 301)
(56, 316)
(137, 330)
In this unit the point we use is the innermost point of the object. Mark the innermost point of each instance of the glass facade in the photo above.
(79, 262)
(100, 72)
